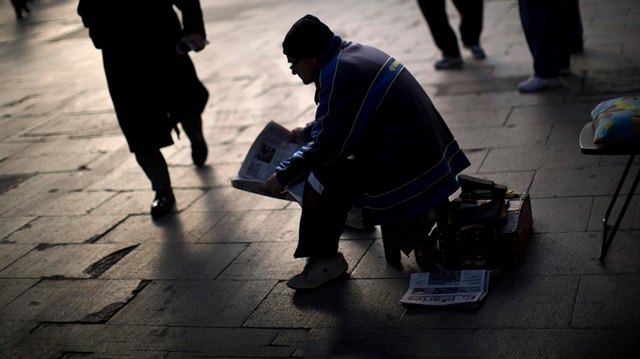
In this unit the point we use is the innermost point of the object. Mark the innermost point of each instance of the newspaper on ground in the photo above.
(271, 147)
(462, 287)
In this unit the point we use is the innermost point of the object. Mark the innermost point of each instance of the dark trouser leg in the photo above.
(559, 12)
(324, 212)
(434, 11)
(193, 128)
(543, 28)
(412, 234)
(573, 26)
(471, 14)
(155, 167)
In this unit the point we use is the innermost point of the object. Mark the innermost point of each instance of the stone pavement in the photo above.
(86, 273)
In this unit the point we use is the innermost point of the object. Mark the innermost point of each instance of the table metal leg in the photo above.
(606, 241)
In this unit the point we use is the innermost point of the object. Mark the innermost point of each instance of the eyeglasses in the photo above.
(293, 63)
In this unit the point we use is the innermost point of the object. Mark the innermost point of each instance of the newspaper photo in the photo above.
(447, 288)
(271, 147)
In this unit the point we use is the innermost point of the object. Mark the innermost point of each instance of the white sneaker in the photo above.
(318, 271)
(535, 84)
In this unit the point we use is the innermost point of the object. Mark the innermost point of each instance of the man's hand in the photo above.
(274, 186)
(297, 135)
(195, 41)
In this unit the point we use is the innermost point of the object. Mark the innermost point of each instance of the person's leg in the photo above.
(18, 7)
(471, 20)
(328, 196)
(324, 213)
(538, 27)
(573, 26)
(434, 11)
(155, 167)
(538, 30)
(193, 128)
(558, 11)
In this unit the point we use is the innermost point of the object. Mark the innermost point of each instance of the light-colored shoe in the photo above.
(318, 271)
(449, 63)
(536, 84)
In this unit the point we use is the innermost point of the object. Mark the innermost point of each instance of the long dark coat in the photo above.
(151, 85)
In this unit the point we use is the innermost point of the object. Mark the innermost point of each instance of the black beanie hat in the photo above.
(308, 37)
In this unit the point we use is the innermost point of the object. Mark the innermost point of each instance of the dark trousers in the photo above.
(329, 194)
(543, 22)
(573, 26)
(153, 163)
(471, 14)
(155, 167)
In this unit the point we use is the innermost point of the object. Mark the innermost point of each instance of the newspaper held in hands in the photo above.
(460, 287)
(271, 147)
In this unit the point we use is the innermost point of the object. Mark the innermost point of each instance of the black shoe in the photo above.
(449, 63)
(477, 51)
(199, 152)
(163, 203)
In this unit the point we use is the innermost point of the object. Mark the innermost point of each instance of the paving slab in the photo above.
(36, 101)
(174, 228)
(13, 126)
(175, 261)
(231, 342)
(557, 215)
(268, 260)
(52, 261)
(230, 199)
(139, 202)
(345, 303)
(11, 252)
(55, 163)
(536, 343)
(476, 118)
(64, 229)
(208, 176)
(536, 157)
(102, 339)
(90, 301)
(520, 135)
(607, 301)
(59, 204)
(73, 146)
(260, 226)
(11, 332)
(194, 303)
(578, 253)
(12, 288)
(585, 181)
(10, 224)
(631, 219)
(373, 265)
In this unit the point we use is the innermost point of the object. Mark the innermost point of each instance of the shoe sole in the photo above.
(325, 281)
(303, 287)
(542, 88)
(456, 67)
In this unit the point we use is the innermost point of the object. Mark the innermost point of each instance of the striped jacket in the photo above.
(371, 107)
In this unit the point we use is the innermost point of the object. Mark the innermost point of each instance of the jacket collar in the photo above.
(335, 45)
